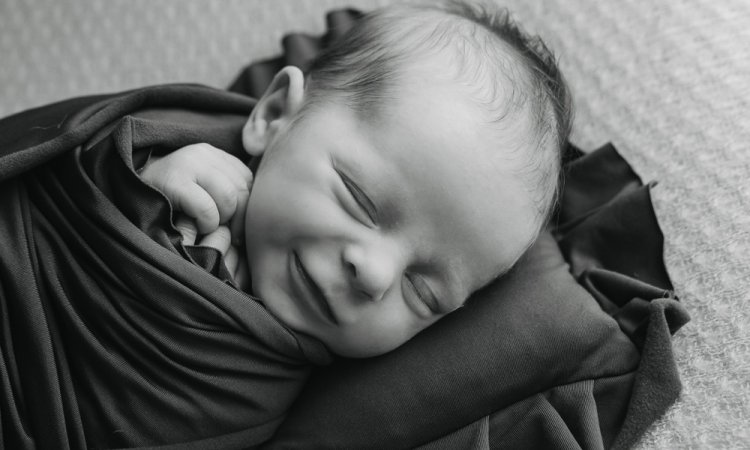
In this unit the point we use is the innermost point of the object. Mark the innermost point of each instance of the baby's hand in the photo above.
(221, 240)
(207, 184)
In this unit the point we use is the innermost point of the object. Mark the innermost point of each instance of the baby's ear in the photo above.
(276, 107)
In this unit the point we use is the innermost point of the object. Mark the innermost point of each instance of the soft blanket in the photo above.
(112, 332)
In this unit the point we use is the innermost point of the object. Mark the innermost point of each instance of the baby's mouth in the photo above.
(314, 289)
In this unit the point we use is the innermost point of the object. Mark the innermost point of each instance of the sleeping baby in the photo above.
(174, 273)
(413, 164)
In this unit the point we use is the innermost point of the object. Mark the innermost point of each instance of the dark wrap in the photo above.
(113, 332)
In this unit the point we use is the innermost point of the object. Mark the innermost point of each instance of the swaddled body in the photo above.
(114, 333)
(413, 165)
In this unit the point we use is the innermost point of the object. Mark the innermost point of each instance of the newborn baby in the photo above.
(414, 163)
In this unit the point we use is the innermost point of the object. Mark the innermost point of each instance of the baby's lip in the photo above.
(314, 290)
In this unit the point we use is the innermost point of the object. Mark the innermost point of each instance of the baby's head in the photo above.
(416, 163)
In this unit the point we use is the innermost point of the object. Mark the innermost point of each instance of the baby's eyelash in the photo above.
(361, 198)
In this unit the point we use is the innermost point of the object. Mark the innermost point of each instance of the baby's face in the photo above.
(362, 233)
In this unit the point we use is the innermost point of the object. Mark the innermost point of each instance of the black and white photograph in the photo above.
(374, 224)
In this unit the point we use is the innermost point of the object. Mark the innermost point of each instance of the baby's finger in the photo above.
(235, 171)
(194, 201)
(231, 259)
(237, 168)
(187, 229)
(237, 224)
(223, 191)
(243, 179)
(220, 239)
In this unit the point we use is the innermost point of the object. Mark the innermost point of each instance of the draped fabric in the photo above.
(115, 334)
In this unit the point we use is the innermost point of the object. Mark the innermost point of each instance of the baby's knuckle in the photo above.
(203, 147)
(171, 178)
(243, 190)
(226, 203)
(206, 211)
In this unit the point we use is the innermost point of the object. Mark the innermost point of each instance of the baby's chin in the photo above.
(336, 340)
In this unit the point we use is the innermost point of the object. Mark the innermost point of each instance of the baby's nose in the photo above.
(371, 270)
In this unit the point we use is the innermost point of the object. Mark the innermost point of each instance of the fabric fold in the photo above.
(113, 336)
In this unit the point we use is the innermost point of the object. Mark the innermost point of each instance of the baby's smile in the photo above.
(307, 289)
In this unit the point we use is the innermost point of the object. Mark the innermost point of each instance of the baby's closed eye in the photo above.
(363, 202)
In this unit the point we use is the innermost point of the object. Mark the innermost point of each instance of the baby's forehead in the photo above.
(446, 151)
(469, 54)
(499, 137)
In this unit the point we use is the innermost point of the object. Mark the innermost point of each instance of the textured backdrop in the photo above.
(668, 82)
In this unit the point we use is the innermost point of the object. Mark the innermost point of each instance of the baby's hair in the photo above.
(508, 71)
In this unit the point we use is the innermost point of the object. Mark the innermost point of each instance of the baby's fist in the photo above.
(205, 183)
